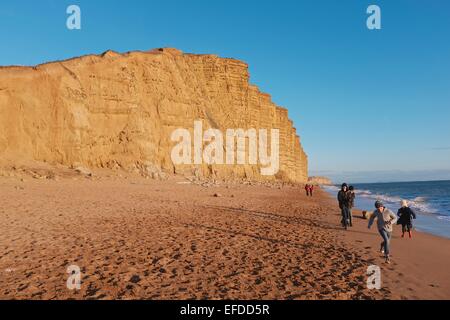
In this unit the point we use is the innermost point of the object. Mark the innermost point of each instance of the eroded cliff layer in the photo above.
(119, 111)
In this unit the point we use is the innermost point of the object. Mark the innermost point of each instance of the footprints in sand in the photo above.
(265, 245)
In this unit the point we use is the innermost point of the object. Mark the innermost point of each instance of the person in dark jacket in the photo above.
(307, 190)
(406, 216)
(343, 199)
(311, 189)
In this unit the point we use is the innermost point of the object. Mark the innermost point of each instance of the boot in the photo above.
(388, 259)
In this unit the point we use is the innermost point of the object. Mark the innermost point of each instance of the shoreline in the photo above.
(144, 239)
(422, 261)
(426, 222)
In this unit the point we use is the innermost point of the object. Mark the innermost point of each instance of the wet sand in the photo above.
(142, 239)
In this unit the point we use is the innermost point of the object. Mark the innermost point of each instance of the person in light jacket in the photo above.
(385, 220)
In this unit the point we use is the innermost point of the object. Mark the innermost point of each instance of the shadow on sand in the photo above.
(288, 219)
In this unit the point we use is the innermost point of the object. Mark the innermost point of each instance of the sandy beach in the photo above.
(135, 238)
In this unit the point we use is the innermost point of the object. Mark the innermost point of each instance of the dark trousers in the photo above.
(346, 213)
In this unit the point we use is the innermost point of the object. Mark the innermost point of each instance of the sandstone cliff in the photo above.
(119, 110)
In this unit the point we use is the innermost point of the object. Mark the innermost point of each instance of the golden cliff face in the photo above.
(119, 110)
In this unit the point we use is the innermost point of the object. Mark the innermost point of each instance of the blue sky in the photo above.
(364, 102)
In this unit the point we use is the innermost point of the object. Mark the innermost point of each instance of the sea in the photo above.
(430, 200)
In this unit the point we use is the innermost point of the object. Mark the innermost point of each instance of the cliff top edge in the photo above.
(114, 54)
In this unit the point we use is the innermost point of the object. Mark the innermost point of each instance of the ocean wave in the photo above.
(382, 197)
(423, 207)
(363, 192)
(419, 199)
(331, 188)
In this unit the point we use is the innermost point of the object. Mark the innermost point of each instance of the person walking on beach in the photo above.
(385, 220)
(406, 216)
(311, 189)
(343, 199)
(351, 204)
(307, 189)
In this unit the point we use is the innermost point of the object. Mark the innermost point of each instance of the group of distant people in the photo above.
(309, 188)
(385, 217)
